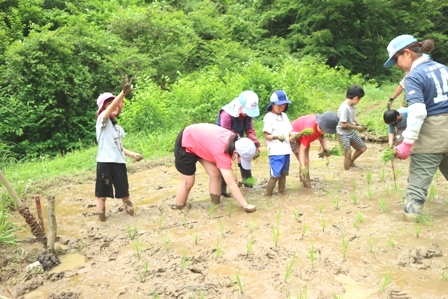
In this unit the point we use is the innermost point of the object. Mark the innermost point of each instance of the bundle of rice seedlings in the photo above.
(250, 182)
(335, 151)
(387, 155)
(304, 132)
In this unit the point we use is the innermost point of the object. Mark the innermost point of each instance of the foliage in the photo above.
(7, 228)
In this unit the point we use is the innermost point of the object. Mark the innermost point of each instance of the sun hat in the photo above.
(246, 149)
(396, 45)
(279, 97)
(104, 97)
(327, 121)
(249, 102)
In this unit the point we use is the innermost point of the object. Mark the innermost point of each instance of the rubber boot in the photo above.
(246, 174)
(224, 188)
(271, 185)
(282, 184)
(216, 199)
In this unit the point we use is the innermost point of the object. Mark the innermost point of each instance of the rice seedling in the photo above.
(418, 229)
(324, 224)
(184, 220)
(161, 220)
(229, 209)
(444, 276)
(304, 132)
(387, 155)
(250, 182)
(387, 189)
(249, 246)
(358, 220)
(344, 246)
(239, 282)
(337, 296)
(354, 198)
(218, 250)
(131, 232)
(382, 174)
(369, 177)
(195, 236)
(311, 254)
(321, 208)
(143, 271)
(276, 235)
(425, 218)
(211, 210)
(431, 193)
(436, 176)
(252, 225)
(371, 242)
(290, 266)
(278, 216)
(391, 241)
(185, 261)
(354, 184)
(336, 201)
(297, 215)
(166, 240)
(303, 294)
(222, 229)
(335, 151)
(369, 194)
(385, 282)
(138, 249)
(383, 206)
(305, 229)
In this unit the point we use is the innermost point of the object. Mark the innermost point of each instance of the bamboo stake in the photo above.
(39, 211)
(10, 190)
(52, 225)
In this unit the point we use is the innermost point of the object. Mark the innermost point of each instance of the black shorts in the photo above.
(110, 176)
(185, 162)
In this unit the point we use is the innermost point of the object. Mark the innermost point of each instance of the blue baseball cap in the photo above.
(396, 45)
(279, 97)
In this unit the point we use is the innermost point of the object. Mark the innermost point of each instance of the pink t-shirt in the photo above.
(304, 122)
(208, 142)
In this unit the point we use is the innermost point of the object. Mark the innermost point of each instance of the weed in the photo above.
(290, 266)
(276, 235)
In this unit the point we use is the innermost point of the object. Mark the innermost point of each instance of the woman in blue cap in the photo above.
(426, 88)
(237, 116)
(276, 131)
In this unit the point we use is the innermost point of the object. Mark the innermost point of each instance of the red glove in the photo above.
(403, 150)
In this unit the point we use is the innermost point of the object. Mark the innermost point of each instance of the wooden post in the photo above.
(52, 226)
(10, 190)
(39, 211)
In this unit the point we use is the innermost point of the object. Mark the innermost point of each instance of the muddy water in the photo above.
(335, 240)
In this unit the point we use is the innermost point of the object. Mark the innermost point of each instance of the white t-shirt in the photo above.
(346, 114)
(277, 125)
(108, 136)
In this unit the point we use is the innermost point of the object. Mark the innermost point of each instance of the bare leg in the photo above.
(186, 183)
(128, 205)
